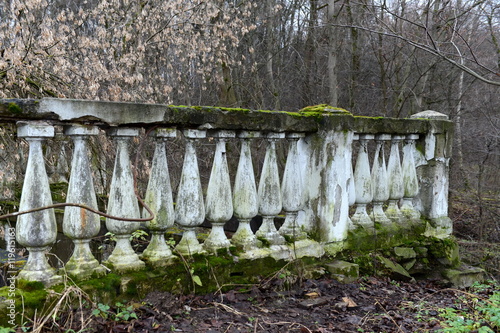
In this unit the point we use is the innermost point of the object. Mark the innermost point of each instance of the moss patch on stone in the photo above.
(14, 108)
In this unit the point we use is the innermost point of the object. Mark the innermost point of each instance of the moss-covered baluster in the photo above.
(219, 201)
(190, 208)
(292, 190)
(159, 199)
(395, 174)
(79, 224)
(351, 187)
(245, 199)
(363, 183)
(36, 231)
(410, 179)
(270, 201)
(380, 185)
(123, 203)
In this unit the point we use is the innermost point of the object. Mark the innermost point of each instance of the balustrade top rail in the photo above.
(139, 114)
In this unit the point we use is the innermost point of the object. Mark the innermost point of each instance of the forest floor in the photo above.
(370, 304)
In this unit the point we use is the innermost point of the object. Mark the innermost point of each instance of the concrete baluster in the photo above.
(190, 208)
(395, 174)
(123, 203)
(270, 200)
(245, 199)
(410, 179)
(80, 224)
(380, 182)
(351, 187)
(219, 201)
(292, 190)
(36, 231)
(363, 184)
(159, 199)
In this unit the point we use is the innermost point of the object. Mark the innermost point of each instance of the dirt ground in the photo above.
(369, 305)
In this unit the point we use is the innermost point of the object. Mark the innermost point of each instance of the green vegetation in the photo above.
(473, 312)
(121, 313)
(14, 108)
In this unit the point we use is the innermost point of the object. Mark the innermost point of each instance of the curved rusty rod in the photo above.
(59, 205)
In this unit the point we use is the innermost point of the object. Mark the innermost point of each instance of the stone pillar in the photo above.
(270, 200)
(219, 201)
(410, 180)
(123, 203)
(245, 199)
(396, 188)
(363, 182)
(190, 208)
(292, 190)
(159, 199)
(433, 175)
(80, 224)
(380, 182)
(38, 230)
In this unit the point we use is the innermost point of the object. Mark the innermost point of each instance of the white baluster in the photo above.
(363, 183)
(395, 174)
(380, 182)
(410, 179)
(190, 208)
(245, 199)
(79, 224)
(123, 203)
(292, 190)
(38, 230)
(159, 199)
(270, 201)
(219, 201)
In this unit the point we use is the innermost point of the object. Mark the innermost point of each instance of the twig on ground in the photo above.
(390, 317)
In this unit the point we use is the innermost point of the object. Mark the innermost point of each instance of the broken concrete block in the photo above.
(343, 271)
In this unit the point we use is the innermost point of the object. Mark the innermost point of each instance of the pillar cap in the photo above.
(170, 132)
(430, 114)
(383, 136)
(295, 135)
(194, 133)
(412, 137)
(222, 134)
(249, 134)
(397, 137)
(123, 131)
(77, 129)
(275, 135)
(363, 136)
(34, 129)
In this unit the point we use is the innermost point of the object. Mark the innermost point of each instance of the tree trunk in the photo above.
(332, 56)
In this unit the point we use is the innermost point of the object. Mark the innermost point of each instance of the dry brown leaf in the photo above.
(312, 295)
(350, 303)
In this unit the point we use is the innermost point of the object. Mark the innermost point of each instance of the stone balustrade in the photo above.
(341, 176)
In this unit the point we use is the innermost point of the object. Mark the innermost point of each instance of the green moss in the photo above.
(373, 118)
(30, 285)
(322, 108)
(14, 108)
